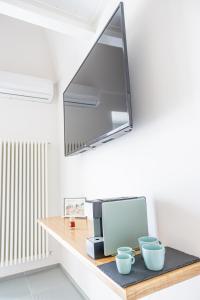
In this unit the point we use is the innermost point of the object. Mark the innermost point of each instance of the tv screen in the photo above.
(97, 105)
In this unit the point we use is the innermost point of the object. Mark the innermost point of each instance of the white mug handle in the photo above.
(132, 260)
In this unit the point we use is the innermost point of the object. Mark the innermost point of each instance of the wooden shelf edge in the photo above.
(153, 285)
(75, 243)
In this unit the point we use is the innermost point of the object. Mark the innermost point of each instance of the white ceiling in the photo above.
(77, 18)
(86, 11)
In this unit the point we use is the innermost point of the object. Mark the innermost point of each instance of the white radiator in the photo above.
(23, 200)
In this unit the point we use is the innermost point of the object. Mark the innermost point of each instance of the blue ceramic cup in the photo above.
(126, 250)
(124, 263)
(154, 256)
(147, 240)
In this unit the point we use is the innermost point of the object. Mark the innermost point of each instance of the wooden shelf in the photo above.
(75, 242)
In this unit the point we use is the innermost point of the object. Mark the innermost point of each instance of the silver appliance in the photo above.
(114, 223)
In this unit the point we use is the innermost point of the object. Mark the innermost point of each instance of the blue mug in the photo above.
(154, 256)
(126, 250)
(147, 240)
(124, 263)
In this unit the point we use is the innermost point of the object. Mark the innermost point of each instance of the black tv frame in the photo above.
(113, 134)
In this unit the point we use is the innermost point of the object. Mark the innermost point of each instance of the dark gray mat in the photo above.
(174, 259)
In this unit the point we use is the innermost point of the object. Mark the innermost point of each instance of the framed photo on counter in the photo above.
(74, 207)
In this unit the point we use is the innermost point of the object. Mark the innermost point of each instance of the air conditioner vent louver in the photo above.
(24, 87)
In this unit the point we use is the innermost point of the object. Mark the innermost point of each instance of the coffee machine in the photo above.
(114, 223)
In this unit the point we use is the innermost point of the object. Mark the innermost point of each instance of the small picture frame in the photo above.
(74, 207)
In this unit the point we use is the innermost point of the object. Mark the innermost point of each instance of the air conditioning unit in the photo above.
(24, 87)
(81, 95)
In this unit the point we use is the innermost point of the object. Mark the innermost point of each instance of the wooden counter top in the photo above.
(75, 242)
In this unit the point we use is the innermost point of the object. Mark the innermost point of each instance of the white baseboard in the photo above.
(27, 267)
(33, 271)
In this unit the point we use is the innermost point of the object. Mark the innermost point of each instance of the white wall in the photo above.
(25, 50)
(160, 157)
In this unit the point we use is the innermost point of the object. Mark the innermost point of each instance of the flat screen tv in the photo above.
(97, 102)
